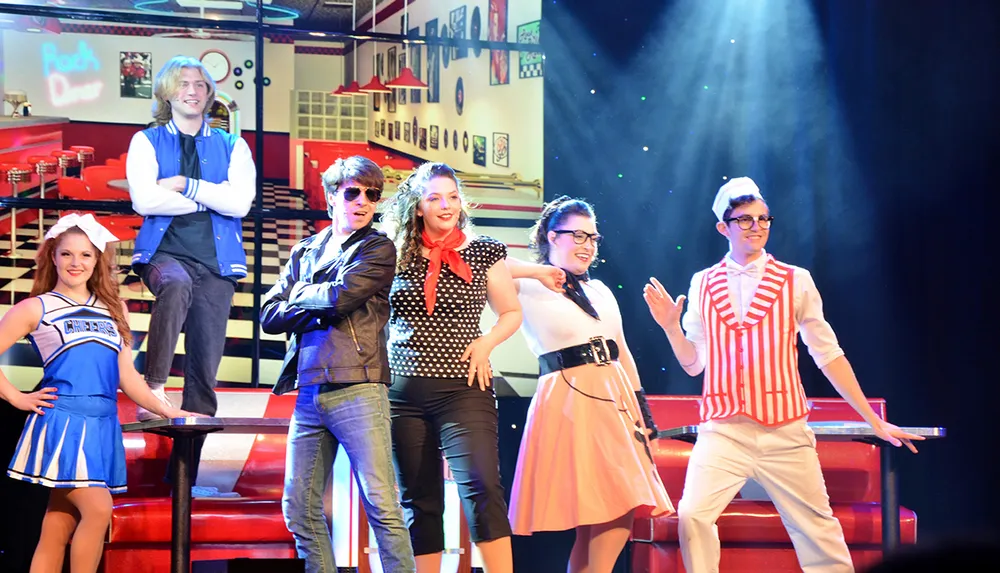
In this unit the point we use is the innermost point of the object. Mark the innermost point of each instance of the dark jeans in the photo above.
(355, 416)
(192, 298)
(435, 415)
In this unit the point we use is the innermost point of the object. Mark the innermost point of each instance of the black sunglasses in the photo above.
(373, 194)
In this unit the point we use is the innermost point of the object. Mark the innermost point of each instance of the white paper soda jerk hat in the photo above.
(736, 187)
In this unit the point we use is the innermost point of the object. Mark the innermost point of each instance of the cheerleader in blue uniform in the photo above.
(72, 441)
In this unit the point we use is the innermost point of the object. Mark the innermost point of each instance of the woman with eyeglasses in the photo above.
(442, 398)
(585, 460)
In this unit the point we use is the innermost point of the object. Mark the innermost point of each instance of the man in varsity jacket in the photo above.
(740, 330)
(193, 184)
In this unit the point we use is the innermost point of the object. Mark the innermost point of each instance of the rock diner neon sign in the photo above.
(59, 69)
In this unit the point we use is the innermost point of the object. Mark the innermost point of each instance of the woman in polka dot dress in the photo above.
(585, 460)
(442, 399)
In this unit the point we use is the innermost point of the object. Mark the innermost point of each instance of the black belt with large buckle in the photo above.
(597, 350)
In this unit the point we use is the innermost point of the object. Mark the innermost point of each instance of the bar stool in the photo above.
(15, 173)
(84, 154)
(44, 165)
(66, 159)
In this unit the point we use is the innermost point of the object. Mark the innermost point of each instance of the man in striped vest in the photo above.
(740, 330)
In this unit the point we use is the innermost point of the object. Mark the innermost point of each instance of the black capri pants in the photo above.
(435, 415)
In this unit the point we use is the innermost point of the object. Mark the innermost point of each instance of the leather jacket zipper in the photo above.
(354, 335)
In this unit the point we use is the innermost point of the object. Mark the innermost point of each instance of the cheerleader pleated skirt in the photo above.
(77, 443)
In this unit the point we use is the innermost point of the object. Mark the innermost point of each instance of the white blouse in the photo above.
(552, 321)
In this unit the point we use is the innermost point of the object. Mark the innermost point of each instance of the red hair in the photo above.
(103, 282)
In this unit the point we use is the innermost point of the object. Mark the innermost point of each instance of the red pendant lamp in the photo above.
(353, 89)
(375, 87)
(406, 79)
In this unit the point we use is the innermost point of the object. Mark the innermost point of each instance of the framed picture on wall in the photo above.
(391, 131)
(391, 65)
(401, 94)
(377, 100)
(135, 74)
(458, 18)
(381, 126)
(434, 137)
(529, 64)
(499, 59)
(479, 150)
(423, 138)
(433, 64)
(406, 132)
(415, 60)
(396, 127)
(375, 129)
(501, 149)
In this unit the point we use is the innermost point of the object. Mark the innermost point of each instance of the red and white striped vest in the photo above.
(752, 367)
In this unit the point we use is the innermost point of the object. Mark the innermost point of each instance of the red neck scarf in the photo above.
(443, 251)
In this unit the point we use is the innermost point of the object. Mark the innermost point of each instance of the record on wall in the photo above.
(475, 30)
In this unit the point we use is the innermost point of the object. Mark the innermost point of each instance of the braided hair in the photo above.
(401, 221)
(554, 213)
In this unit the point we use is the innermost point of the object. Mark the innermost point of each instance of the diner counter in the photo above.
(7, 122)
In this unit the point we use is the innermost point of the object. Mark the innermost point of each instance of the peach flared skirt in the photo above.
(584, 458)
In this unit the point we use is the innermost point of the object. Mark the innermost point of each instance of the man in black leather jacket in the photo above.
(332, 299)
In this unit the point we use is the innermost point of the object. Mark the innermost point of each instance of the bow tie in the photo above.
(752, 271)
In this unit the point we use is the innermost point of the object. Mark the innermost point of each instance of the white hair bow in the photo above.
(96, 232)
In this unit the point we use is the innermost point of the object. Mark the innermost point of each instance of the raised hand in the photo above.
(478, 355)
(35, 401)
(665, 310)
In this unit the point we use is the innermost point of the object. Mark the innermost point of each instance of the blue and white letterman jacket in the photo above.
(227, 188)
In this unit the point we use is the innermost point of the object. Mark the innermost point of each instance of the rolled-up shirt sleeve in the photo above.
(816, 332)
(693, 326)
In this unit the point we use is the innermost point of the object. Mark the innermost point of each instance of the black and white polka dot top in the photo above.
(422, 345)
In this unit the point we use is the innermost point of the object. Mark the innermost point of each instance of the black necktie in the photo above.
(190, 166)
(573, 289)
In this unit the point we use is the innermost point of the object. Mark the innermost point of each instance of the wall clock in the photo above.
(217, 64)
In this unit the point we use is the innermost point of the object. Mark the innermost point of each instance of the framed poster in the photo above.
(391, 66)
(135, 74)
(529, 64)
(433, 64)
(501, 149)
(479, 150)
(499, 59)
(457, 20)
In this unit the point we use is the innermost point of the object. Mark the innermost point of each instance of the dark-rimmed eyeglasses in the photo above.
(746, 221)
(580, 237)
(351, 193)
